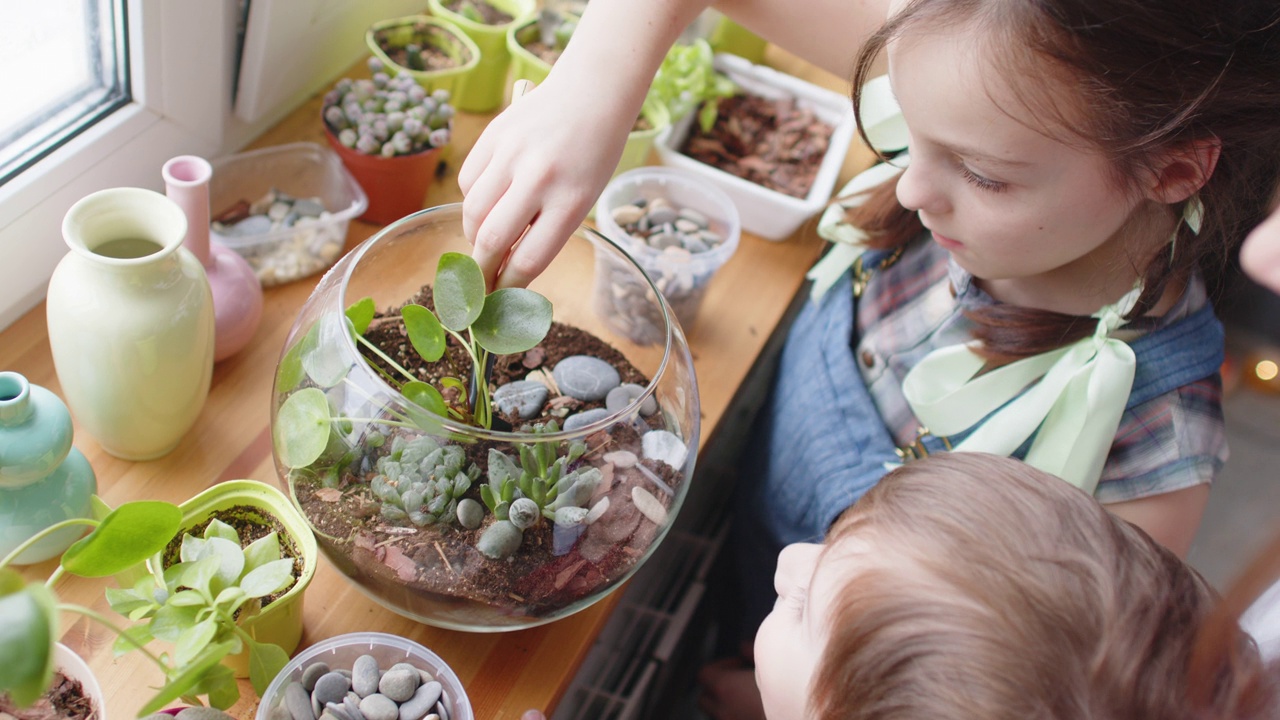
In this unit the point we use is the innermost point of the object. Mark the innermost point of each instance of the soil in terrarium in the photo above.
(437, 569)
(65, 700)
(773, 143)
(479, 11)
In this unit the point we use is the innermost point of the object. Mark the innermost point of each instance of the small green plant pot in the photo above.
(280, 622)
(485, 87)
(640, 142)
(424, 29)
(524, 64)
(730, 37)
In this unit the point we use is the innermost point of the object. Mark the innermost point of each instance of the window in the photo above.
(67, 67)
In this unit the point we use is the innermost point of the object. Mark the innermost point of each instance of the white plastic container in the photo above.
(341, 651)
(300, 170)
(768, 213)
(681, 276)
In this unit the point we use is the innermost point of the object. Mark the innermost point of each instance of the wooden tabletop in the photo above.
(504, 673)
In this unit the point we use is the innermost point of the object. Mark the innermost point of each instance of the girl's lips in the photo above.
(946, 242)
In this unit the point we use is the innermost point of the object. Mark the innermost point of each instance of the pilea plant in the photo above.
(544, 484)
(505, 321)
(196, 604)
(191, 605)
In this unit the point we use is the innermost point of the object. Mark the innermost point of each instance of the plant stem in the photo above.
(119, 631)
(42, 535)
(384, 356)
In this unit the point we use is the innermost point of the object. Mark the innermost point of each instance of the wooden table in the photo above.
(504, 673)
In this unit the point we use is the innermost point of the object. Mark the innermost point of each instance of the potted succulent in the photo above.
(536, 43)
(434, 53)
(481, 460)
(204, 593)
(389, 133)
(486, 22)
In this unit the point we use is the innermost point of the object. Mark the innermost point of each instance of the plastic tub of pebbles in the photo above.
(365, 676)
(679, 228)
(285, 209)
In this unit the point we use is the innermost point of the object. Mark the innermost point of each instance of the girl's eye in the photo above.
(981, 182)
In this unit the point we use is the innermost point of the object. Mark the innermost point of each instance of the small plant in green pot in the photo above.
(486, 22)
(389, 132)
(537, 43)
(437, 55)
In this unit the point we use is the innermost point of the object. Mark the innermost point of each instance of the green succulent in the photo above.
(542, 475)
(422, 481)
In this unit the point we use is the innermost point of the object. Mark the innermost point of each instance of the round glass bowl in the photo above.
(340, 653)
(621, 476)
(677, 226)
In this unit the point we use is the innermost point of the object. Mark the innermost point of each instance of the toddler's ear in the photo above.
(1184, 170)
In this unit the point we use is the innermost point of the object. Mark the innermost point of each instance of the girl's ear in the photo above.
(1184, 170)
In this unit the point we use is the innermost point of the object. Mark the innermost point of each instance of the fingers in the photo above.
(546, 235)
(499, 231)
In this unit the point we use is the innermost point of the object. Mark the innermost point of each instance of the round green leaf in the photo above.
(512, 320)
(361, 314)
(129, 535)
(458, 291)
(323, 359)
(302, 428)
(272, 577)
(289, 373)
(27, 635)
(265, 663)
(425, 332)
(424, 396)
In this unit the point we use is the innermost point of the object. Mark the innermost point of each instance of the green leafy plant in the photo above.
(422, 481)
(197, 604)
(687, 80)
(542, 484)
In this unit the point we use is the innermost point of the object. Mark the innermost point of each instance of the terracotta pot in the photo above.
(396, 186)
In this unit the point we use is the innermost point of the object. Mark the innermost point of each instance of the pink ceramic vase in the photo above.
(237, 294)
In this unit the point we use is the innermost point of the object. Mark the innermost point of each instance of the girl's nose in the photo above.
(917, 191)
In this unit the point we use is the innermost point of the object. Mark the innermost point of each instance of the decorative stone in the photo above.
(399, 683)
(352, 703)
(648, 505)
(426, 696)
(621, 458)
(666, 447)
(337, 711)
(499, 541)
(199, 712)
(298, 701)
(563, 538)
(627, 214)
(600, 508)
(330, 688)
(523, 398)
(379, 707)
(470, 513)
(585, 378)
(584, 418)
(365, 675)
(312, 673)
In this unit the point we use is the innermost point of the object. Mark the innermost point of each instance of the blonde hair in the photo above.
(1003, 592)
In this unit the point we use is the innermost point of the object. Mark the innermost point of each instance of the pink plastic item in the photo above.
(237, 294)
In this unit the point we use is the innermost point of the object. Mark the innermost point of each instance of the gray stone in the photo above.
(328, 714)
(399, 684)
(336, 710)
(308, 207)
(423, 699)
(352, 703)
(585, 378)
(499, 541)
(379, 707)
(650, 506)
(316, 707)
(365, 675)
(470, 513)
(523, 398)
(426, 675)
(665, 447)
(585, 418)
(523, 513)
(663, 215)
(199, 712)
(627, 393)
(330, 688)
(627, 214)
(252, 225)
(298, 700)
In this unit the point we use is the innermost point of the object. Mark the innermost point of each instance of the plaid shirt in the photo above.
(1174, 441)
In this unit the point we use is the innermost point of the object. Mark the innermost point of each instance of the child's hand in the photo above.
(539, 165)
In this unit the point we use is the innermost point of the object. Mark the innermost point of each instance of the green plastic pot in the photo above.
(280, 622)
(640, 142)
(524, 64)
(403, 30)
(485, 87)
(730, 37)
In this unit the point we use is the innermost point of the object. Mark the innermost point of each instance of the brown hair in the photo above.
(1151, 76)
(999, 591)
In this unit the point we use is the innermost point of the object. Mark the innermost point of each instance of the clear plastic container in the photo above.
(682, 276)
(341, 651)
(298, 170)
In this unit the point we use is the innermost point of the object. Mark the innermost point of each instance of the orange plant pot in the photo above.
(396, 186)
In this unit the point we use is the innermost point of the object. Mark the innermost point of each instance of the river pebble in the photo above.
(585, 378)
(403, 692)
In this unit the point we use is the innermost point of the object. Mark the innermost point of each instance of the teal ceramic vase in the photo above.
(43, 479)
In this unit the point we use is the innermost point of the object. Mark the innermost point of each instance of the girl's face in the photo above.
(791, 639)
(1040, 222)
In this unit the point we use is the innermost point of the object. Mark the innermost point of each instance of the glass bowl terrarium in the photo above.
(491, 505)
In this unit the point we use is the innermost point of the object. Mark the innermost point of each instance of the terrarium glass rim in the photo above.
(475, 431)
